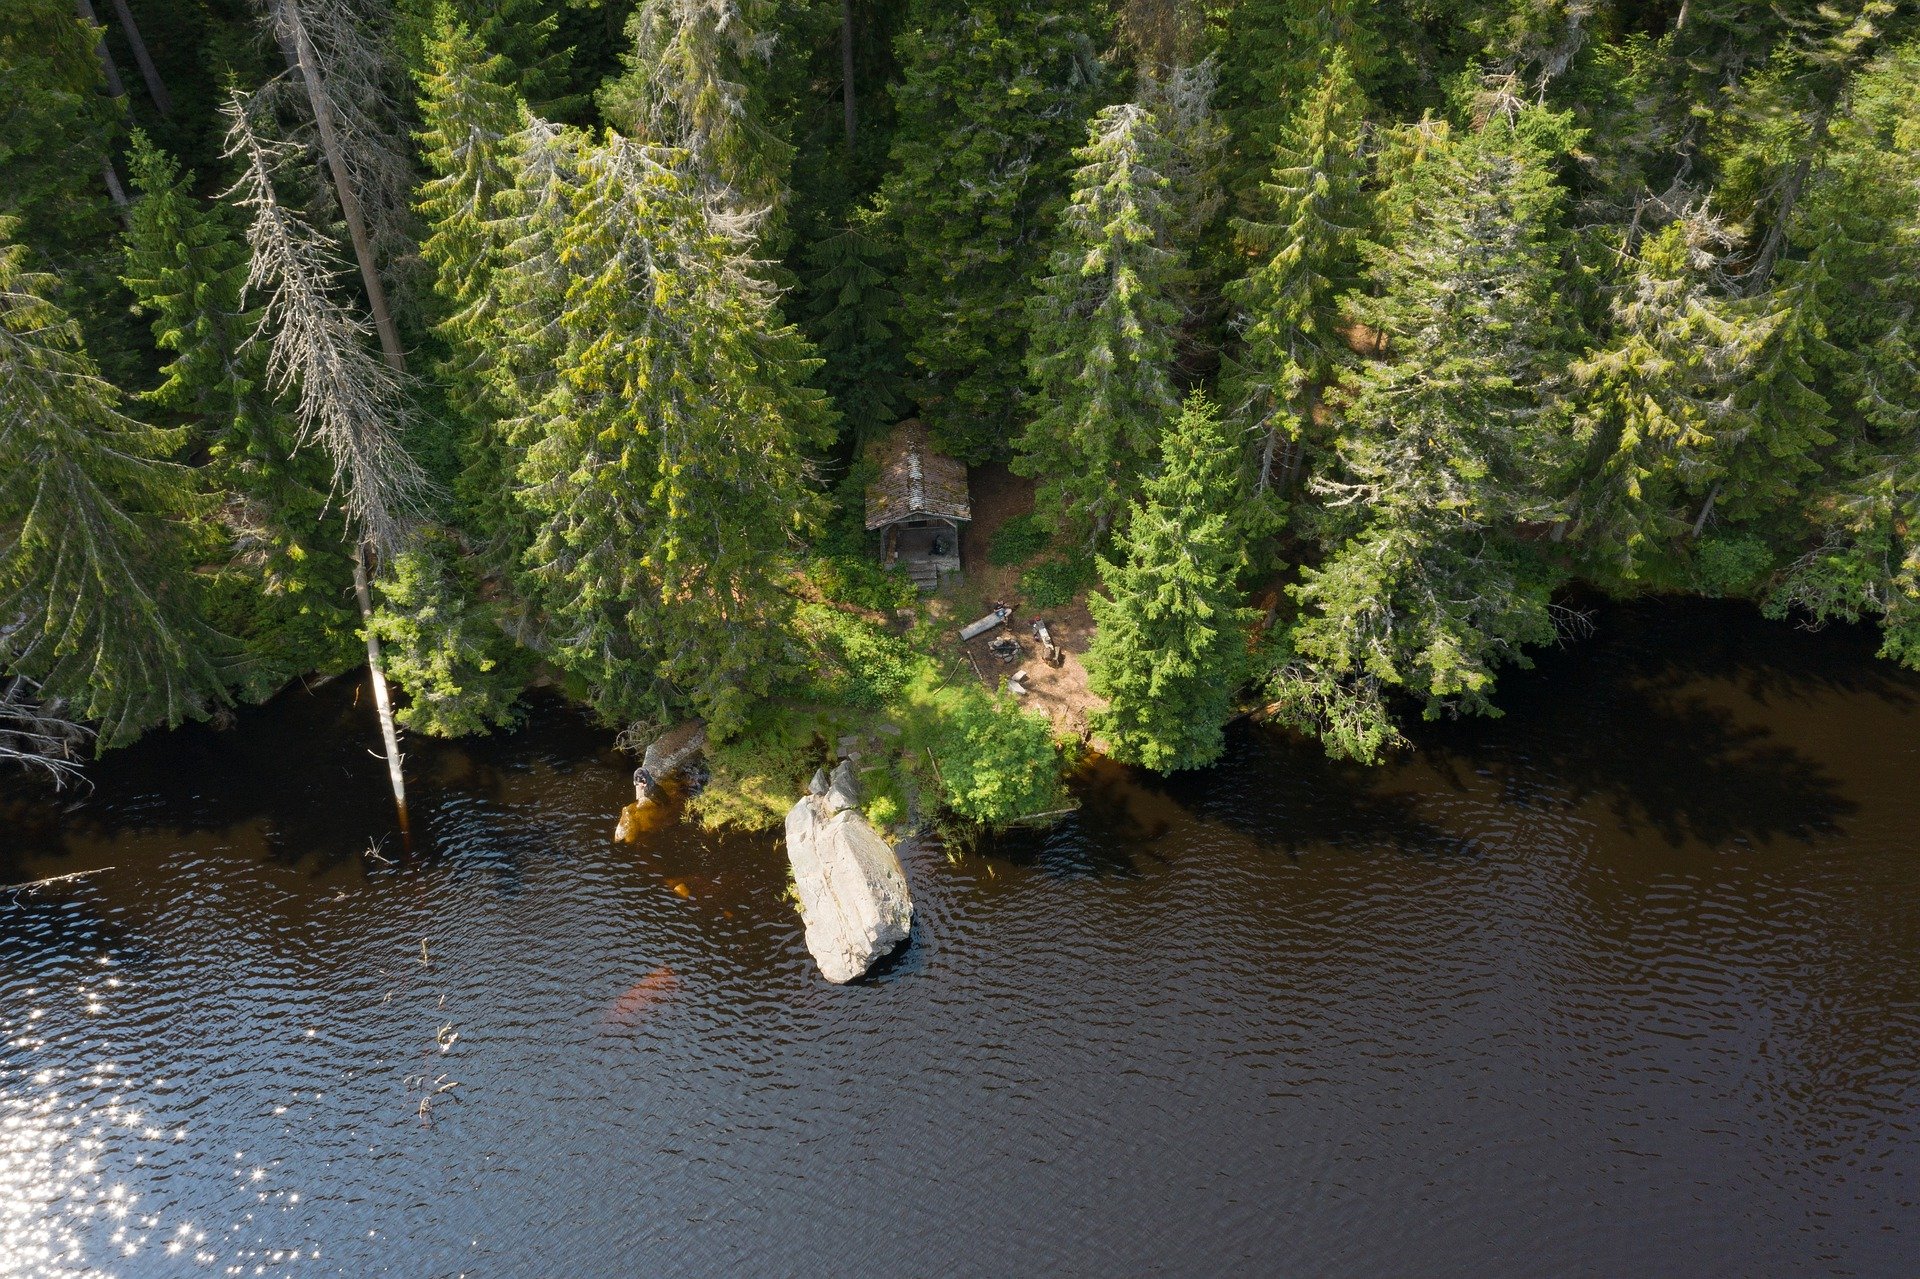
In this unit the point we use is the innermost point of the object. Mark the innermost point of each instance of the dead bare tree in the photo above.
(342, 90)
(36, 734)
(345, 399)
(156, 87)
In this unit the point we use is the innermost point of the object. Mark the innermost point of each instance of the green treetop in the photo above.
(1443, 448)
(288, 546)
(467, 111)
(1171, 648)
(1272, 54)
(1303, 252)
(1103, 327)
(1861, 226)
(100, 608)
(854, 322)
(1659, 398)
(467, 147)
(665, 466)
(991, 99)
(690, 84)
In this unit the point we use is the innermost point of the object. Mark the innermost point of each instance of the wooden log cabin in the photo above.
(919, 504)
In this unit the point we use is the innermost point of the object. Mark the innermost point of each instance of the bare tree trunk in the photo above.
(1706, 509)
(156, 87)
(1266, 457)
(115, 89)
(846, 66)
(115, 191)
(1789, 198)
(349, 202)
(382, 703)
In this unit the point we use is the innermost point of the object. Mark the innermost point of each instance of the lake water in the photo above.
(1624, 983)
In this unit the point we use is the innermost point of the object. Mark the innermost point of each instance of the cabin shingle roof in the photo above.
(915, 480)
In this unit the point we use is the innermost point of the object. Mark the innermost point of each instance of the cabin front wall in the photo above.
(924, 546)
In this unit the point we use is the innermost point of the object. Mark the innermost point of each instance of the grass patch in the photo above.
(1052, 583)
(1019, 540)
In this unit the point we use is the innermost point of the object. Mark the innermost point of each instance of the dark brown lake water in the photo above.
(1621, 984)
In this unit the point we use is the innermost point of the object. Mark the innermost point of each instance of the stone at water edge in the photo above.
(852, 889)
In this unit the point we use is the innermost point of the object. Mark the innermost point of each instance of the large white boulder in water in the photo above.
(853, 892)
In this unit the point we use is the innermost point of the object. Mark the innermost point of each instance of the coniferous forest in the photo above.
(492, 342)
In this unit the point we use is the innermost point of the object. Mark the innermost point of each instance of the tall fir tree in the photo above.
(1859, 225)
(665, 464)
(56, 127)
(1171, 648)
(1444, 448)
(284, 593)
(854, 322)
(991, 100)
(1659, 400)
(689, 83)
(1303, 246)
(469, 122)
(1103, 326)
(1273, 52)
(102, 609)
(537, 64)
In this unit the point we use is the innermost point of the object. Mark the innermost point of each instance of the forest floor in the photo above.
(1060, 692)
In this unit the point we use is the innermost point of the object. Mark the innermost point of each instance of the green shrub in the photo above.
(1731, 565)
(1053, 583)
(855, 661)
(883, 811)
(847, 579)
(1019, 540)
(996, 762)
(755, 776)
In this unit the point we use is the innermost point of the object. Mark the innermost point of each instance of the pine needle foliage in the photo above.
(100, 609)
(664, 465)
(992, 98)
(1171, 650)
(1103, 327)
(1443, 449)
(689, 84)
(288, 551)
(1303, 248)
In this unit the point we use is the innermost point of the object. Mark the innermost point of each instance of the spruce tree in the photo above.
(1171, 648)
(470, 119)
(991, 101)
(1103, 327)
(467, 112)
(1272, 54)
(101, 608)
(537, 65)
(1659, 401)
(284, 592)
(1303, 249)
(665, 464)
(1857, 248)
(1443, 448)
(689, 84)
(56, 126)
(854, 323)
(460, 671)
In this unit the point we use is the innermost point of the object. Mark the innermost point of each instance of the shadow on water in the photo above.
(1647, 720)
(301, 776)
